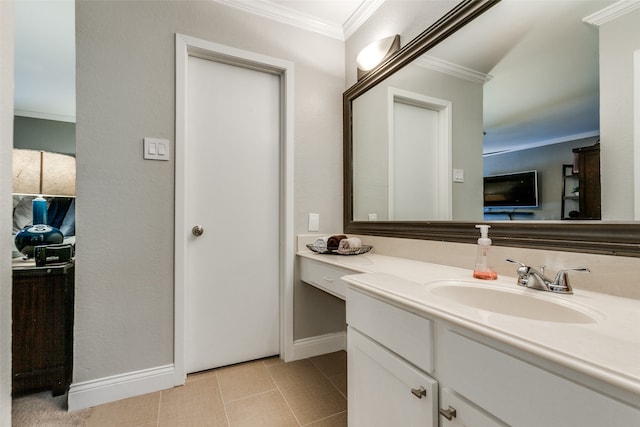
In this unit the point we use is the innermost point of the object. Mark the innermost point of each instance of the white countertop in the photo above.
(608, 349)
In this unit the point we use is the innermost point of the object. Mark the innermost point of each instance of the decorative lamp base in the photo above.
(37, 235)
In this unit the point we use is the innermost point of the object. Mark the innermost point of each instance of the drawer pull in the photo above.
(448, 413)
(327, 278)
(419, 392)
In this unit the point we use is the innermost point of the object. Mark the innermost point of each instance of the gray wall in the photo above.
(619, 38)
(46, 135)
(125, 91)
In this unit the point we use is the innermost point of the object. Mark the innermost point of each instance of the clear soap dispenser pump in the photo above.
(482, 269)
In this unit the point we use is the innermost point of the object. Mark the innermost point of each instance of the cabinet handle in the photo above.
(419, 392)
(448, 413)
(327, 278)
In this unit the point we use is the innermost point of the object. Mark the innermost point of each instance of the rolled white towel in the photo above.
(350, 243)
(321, 243)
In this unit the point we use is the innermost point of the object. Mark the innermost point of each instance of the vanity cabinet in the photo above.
(387, 352)
(459, 412)
(523, 394)
(384, 389)
(468, 379)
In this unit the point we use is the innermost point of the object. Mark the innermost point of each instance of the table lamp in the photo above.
(39, 173)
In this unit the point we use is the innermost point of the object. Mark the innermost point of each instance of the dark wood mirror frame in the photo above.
(611, 238)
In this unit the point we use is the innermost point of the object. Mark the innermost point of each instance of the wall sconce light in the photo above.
(41, 173)
(375, 53)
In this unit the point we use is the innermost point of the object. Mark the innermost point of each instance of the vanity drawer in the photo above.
(324, 276)
(406, 334)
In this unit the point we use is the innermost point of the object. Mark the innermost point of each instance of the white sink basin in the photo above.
(524, 303)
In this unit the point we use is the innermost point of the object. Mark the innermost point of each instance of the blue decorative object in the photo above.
(37, 235)
(39, 207)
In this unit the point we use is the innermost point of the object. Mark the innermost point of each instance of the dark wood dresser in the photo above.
(42, 340)
(588, 165)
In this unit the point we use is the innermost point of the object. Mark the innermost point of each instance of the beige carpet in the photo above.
(42, 409)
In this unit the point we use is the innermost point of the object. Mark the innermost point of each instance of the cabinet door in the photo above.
(525, 395)
(42, 344)
(38, 323)
(589, 176)
(466, 414)
(384, 390)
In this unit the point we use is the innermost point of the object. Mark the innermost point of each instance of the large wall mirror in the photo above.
(499, 113)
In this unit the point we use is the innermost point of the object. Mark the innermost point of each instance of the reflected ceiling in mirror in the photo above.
(540, 71)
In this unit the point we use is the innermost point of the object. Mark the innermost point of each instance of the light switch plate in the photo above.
(314, 222)
(156, 149)
(458, 175)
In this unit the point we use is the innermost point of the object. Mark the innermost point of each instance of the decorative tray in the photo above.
(351, 251)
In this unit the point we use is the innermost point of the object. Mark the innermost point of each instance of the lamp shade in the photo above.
(43, 173)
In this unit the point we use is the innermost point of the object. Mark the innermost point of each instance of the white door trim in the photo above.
(636, 134)
(444, 110)
(189, 46)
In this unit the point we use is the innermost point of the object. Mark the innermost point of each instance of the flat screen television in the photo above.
(512, 190)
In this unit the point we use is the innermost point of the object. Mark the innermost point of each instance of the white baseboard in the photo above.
(321, 344)
(104, 390)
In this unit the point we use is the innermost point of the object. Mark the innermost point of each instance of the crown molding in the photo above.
(452, 69)
(279, 13)
(612, 12)
(285, 15)
(360, 16)
(44, 116)
(543, 143)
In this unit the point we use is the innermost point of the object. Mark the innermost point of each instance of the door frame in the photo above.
(636, 134)
(187, 46)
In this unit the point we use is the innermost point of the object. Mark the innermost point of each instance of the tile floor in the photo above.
(267, 392)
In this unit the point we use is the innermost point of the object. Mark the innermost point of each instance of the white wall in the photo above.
(7, 11)
(125, 91)
(619, 38)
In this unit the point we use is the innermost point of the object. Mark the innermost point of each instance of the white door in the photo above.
(232, 171)
(415, 165)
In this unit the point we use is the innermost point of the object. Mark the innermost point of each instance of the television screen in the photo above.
(513, 190)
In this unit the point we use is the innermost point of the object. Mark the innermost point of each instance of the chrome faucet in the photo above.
(531, 278)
